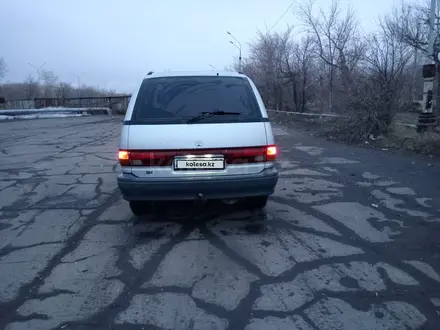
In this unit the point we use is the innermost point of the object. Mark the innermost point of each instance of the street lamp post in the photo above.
(78, 87)
(239, 49)
(427, 117)
(78, 77)
(38, 69)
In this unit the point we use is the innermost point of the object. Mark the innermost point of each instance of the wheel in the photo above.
(139, 207)
(256, 203)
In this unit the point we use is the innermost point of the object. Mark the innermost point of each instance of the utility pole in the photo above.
(239, 57)
(416, 74)
(78, 80)
(427, 117)
(239, 49)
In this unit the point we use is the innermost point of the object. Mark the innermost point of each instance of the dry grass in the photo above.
(407, 138)
(399, 136)
(120, 111)
(410, 118)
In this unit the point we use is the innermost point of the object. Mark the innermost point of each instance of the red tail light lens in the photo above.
(165, 157)
(245, 155)
(152, 158)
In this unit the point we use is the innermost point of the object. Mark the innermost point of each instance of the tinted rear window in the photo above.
(177, 99)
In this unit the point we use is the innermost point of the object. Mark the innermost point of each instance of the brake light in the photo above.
(165, 157)
(271, 153)
(124, 158)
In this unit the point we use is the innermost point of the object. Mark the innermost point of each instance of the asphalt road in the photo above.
(350, 240)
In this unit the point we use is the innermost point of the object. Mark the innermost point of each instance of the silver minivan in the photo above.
(192, 136)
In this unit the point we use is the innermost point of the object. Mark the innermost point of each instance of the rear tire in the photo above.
(256, 203)
(138, 207)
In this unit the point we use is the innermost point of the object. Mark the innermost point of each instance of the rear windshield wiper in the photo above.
(210, 114)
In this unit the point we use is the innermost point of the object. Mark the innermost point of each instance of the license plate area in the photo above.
(199, 163)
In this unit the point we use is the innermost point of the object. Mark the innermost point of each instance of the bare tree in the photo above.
(377, 94)
(49, 77)
(282, 69)
(49, 87)
(336, 42)
(65, 90)
(266, 63)
(304, 58)
(50, 81)
(411, 23)
(366, 77)
(31, 87)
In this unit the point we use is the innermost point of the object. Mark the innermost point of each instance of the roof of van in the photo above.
(194, 73)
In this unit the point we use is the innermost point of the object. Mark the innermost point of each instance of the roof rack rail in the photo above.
(150, 73)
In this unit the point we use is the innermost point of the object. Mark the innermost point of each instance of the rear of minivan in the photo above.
(193, 136)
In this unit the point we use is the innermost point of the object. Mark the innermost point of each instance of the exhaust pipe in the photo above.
(200, 200)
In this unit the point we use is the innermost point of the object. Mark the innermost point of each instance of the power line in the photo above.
(281, 17)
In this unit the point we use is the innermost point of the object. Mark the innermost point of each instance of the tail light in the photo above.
(124, 158)
(165, 157)
(271, 153)
(146, 158)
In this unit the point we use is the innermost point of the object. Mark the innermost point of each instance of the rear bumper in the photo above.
(238, 186)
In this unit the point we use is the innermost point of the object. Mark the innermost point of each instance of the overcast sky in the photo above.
(113, 43)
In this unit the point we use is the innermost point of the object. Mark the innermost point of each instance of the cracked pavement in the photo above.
(349, 240)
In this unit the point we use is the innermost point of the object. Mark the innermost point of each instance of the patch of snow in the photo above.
(38, 116)
(48, 115)
(50, 112)
(57, 109)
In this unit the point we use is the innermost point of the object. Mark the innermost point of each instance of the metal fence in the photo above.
(114, 102)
